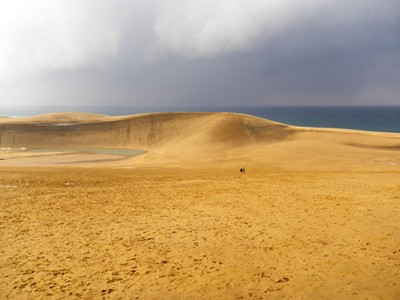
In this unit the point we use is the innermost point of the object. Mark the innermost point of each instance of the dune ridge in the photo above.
(200, 138)
(146, 131)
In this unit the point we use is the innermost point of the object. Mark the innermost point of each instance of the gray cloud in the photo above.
(192, 52)
(44, 35)
(208, 27)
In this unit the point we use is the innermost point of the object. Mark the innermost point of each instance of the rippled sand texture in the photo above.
(315, 216)
(206, 234)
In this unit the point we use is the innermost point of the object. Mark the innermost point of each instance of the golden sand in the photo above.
(315, 216)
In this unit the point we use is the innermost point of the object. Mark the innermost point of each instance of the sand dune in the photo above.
(314, 217)
(142, 131)
(74, 117)
(196, 139)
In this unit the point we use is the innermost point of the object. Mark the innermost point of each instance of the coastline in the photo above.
(370, 118)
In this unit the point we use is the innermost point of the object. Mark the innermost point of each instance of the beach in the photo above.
(315, 216)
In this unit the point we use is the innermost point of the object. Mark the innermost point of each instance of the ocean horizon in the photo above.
(371, 118)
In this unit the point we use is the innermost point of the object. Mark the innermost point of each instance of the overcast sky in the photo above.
(199, 52)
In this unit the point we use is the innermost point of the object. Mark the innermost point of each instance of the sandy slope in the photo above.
(148, 131)
(314, 217)
(198, 139)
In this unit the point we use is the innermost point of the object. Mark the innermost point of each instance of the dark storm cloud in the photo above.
(203, 53)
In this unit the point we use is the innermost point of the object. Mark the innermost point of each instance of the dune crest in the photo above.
(202, 139)
(145, 131)
(73, 117)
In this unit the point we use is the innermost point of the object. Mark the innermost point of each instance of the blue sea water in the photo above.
(373, 118)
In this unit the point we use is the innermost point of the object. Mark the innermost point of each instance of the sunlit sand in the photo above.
(315, 216)
(110, 151)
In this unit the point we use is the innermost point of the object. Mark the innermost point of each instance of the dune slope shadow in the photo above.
(148, 131)
(195, 138)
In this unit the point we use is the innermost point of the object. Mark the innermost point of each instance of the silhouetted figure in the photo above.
(244, 170)
(241, 170)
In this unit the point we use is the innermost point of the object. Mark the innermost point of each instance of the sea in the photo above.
(371, 118)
